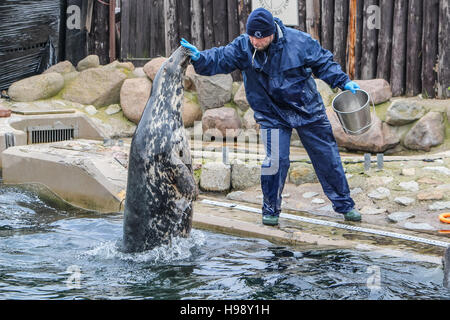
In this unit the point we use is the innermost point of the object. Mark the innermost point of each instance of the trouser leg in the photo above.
(274, 168)
(319, 142)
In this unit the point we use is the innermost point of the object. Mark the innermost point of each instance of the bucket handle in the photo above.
(364, 128)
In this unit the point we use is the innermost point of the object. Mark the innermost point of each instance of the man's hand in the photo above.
(352, 86)
(194, 53)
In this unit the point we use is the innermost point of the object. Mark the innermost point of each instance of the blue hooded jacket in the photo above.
(278, 81)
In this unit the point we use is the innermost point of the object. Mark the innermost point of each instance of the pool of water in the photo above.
(48, 252)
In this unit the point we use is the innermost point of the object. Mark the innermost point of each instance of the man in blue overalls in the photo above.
(277, 63)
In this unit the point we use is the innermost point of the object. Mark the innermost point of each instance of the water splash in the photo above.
(178, 249)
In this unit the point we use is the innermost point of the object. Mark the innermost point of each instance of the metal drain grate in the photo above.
(47, 134)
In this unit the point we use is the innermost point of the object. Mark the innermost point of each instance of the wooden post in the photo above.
(327, 24)
(351, 39)
(208, 24)
(398, 61)
(157, 27)
(233, 20)
(184, 19)
(220, 22)
(124, 29)
(430, 47)
(414, 48)
(171, 26)
(340, 32)
(244, 10)
(359, 33)
(313, 18)
(98, 42)
(197, 23)
(112, 30)
(302, 15)
(444, 50)
(369, 42)
(385, 40)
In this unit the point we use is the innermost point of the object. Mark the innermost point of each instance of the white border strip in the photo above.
(333, 224)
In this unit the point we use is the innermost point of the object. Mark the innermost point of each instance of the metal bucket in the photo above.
(353, 111)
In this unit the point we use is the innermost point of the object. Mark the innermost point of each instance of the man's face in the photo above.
(261, 43)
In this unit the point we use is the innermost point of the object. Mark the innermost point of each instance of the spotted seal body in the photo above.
(161, 185)
(446, 260)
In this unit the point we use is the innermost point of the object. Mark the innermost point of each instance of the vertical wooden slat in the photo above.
(359, 36)
(197, 23)
(398, 61)
(146, 29)
(157, 36)
(351, 39)
(430, 47)
(112, 30)
(340, 32)
(243, 11)
(208, 24)
(233, 20)
(302, 15)
(124, 28)
(98, 39)
(385, 40)
(369, 42)
(444, 50)
(171, 26)
(313, 18)
(220, 22)
(133, 28)
(414, 50)
(327, 25)
(184, 19)
(140, 31)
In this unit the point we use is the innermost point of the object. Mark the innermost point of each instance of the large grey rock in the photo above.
(380, 193)
(249, 122)
(400, 216)
(440, 205)
(325, 91)
(61, 67)
(96, 86)
(379, 89)
(134, 95)
(428, 132)
(379, 138)
(189, 78)
(404, 201)
(91, 61)
(221, 122)
(38, 87)
(418, 226)
(215, 176)
(440, 170)
(409, 186)
(244, 175)
(240, 98)
(191, 112)
(213, 91)
(301, 173)
(403, 112)
(152, 67)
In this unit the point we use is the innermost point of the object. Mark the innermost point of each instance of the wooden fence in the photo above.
(402, 41)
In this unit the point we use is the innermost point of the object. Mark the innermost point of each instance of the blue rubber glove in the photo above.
(352, 86)
(194, 53)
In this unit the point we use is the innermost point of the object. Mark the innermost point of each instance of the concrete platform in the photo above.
(82, 172)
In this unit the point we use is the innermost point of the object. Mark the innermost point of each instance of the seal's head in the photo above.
(260, 28)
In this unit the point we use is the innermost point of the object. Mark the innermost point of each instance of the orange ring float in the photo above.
(445, 217)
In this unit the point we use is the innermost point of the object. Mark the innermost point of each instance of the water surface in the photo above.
(49, 252)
